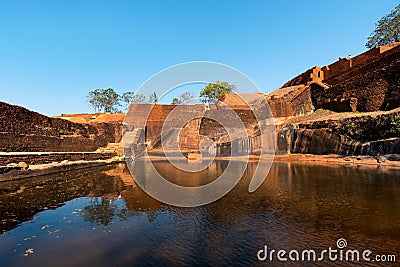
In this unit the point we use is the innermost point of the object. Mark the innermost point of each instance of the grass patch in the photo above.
(349, 125)
(395, 126)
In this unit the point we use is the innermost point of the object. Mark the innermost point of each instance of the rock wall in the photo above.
(25, 130)
(325, 141)
(359, 135)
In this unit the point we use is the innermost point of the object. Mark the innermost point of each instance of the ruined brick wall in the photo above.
(189, 137)
(302, 103)
(315, 74)
(384, 58)
(93, 117)
(152, 118)
(367, 56)
(213, 128)
(155, 121)
(296, 103)
(339, 70)
(280, 108)
(344, 68)
(372, 87)
(342, 65)
(25, 130)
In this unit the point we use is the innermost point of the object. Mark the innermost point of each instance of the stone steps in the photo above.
(111, 147)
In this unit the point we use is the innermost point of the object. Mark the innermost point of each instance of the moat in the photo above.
(101, 217)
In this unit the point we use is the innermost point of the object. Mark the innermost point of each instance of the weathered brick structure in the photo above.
(146, 122)
(183, 127)
(369, 87)
(25, 130)
(338, 70)
(367, 82)
(291, 101)
(93, 118)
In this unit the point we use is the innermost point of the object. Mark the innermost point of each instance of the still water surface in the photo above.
(100, 217)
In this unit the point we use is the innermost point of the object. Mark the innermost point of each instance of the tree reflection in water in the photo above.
(103, 210)
(100, 210)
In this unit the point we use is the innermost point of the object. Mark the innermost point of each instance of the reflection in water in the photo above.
(21, 199)
(299, 206)
(99, 210)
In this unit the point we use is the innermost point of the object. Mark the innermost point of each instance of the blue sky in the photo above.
(52, 53)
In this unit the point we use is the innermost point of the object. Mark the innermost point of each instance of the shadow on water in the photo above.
(101, 217)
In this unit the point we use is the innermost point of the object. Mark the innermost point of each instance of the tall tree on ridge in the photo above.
(387, 30)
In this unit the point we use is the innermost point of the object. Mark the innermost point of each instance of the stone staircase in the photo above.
(112, 147)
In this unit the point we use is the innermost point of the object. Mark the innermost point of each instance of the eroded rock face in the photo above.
(320, 141)
(360, 135)
(324, 141)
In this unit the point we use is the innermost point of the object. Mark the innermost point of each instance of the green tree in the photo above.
(104, 100)
(133, 98)
(387, 30)
(176, 101)
(214, 91)
(153, 98)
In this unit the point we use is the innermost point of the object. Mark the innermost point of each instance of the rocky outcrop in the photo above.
(357, 135)
(325, 141)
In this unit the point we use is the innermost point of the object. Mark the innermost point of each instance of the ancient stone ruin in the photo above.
(236, 124)
(304, 111)
(25, 130)
(368, 82)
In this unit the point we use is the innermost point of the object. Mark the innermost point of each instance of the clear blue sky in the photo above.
(52, 53)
